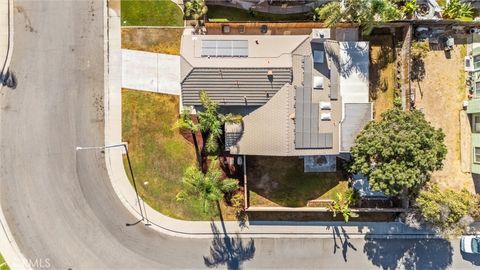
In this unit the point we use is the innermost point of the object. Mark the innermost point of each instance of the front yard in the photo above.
(151, 13)
(160, 154)
(280, 181)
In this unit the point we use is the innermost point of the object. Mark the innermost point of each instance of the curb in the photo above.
(6, 63)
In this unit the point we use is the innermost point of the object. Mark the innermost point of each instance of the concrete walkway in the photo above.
(149, 71)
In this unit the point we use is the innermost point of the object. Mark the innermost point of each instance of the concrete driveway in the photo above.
(153, 72)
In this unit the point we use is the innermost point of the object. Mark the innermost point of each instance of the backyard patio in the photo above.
(281, 181)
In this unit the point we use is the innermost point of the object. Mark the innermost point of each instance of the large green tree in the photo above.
(398, 152)
(207, 187)
(367, 13)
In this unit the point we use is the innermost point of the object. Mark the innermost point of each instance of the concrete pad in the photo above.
(151, 72)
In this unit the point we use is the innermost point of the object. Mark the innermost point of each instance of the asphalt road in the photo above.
(60, 204)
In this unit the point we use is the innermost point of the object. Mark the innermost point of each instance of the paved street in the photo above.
(60, 204)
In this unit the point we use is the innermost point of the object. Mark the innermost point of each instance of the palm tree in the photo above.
(342, 203)
(206, 187)
(211, 122)
(454, 9)
(367, 13)
(185, 122)
(195, 9)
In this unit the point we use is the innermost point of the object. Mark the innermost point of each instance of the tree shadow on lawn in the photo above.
(282, 181)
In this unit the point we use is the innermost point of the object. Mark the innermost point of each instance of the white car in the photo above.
(470, 244)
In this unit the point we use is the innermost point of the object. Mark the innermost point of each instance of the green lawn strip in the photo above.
(151, 13)
(3, 264)
(226, 14)
(281, 181)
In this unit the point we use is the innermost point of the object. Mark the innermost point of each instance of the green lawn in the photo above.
(3, 264)
(160, 154)
(225, 14)
(280, 181)
(151, 13)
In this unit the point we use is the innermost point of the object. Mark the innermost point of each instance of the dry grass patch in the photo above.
(440, 95)
(159, 40)
(382, 74)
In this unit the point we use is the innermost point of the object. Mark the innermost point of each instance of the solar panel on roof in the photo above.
(224, 48)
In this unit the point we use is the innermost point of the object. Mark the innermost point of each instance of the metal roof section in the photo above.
(234, 86)
(354, 81)
(357, 115)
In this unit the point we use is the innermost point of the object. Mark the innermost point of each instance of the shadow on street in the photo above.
(228, 251)
(409, 253)
(343, 239)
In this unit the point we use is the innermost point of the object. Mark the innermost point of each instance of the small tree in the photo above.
(455, 9)
(399, 152)
(208, 187)
(448, 210)
(211, 122)
(410, 8)
(195, 9)
(341, 204)
(185, 122)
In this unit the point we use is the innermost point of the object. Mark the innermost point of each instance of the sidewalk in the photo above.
(203, 229)
(149, 71)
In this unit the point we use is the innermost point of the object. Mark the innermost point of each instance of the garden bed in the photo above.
(231, 14)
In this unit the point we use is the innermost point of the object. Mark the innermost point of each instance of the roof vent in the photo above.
(326, 116)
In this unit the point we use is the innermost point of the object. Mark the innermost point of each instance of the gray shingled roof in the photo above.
(230, 86)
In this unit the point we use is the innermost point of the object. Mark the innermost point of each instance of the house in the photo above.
(301, 95)
(472, 66)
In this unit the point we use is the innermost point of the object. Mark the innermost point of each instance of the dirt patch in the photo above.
(159, 40)
(440, 96)
(382, 72)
